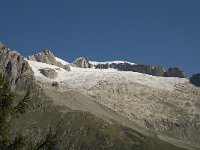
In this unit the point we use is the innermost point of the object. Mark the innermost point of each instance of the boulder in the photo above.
(195, 79)
(55, 83)
(82, 63)
(66, 67)
(175, 72)
(49, 73)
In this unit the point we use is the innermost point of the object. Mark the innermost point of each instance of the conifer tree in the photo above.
(8, 110)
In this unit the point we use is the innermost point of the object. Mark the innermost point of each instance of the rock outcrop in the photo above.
(141, 68)
(49, 73)
(148, 69)
(82, 63)
(46, 56)
(119, 66)
(175, 72)
(2, 46)
(14, 65)
(195, 79)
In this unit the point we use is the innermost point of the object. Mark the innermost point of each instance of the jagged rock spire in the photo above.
(46, 56)
(82, 62)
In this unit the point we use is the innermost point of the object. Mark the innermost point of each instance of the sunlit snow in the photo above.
(61, 61)
(86, 78)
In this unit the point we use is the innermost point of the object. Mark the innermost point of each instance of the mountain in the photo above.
(104, 105)
(46, 56)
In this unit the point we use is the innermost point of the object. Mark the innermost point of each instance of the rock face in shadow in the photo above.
(148, 69)
(82, 63)
(195, 79)
(46, 56)
(175, 72)
(14, 65)
(49, 73)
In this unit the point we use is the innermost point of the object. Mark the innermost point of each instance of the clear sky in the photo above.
(157, 32)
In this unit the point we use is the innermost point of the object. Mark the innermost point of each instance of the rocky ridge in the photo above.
(46, 56)
(126, 66)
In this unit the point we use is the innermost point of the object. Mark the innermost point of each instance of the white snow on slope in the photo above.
(86, 78)
(63, 62)
(109, 62)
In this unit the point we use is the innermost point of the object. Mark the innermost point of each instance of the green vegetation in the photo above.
(10, 110)
(7, 111)
(82, 131)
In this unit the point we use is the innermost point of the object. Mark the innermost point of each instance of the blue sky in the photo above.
(157, 32)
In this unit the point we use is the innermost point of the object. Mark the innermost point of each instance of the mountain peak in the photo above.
(46, 56)
(82, 62)
(46, 51)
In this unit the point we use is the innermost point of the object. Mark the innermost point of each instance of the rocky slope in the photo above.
(104, 107)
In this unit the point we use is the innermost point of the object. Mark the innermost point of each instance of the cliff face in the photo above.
(16, 67)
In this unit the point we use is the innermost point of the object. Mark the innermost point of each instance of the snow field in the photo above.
(86, 78)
